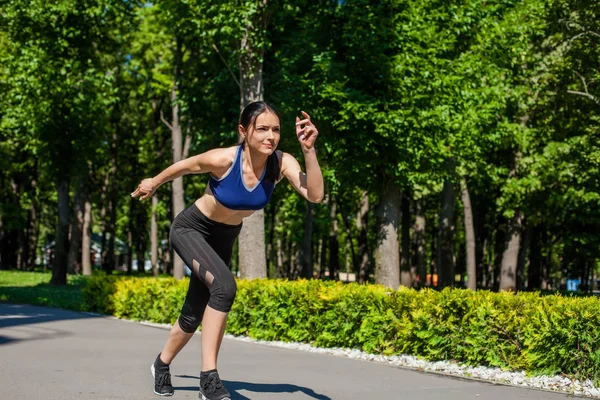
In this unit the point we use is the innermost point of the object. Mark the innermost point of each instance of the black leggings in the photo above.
(205, 247)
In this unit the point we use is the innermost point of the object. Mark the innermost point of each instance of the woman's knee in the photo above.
(194, 305)
(222, 293)
(188, 320)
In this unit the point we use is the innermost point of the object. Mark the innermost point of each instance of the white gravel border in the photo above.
(556, 383)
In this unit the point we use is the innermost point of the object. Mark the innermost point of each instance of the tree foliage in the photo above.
(412, 97)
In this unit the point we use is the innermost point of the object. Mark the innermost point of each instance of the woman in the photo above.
(242, 179)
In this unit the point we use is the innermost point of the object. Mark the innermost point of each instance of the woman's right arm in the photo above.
(206, 162)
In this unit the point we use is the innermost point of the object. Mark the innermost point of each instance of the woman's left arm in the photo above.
(309, 184)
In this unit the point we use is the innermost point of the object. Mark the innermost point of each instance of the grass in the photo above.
(23, 287)
(34, 288)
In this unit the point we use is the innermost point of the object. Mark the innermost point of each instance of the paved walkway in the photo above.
(53, 354)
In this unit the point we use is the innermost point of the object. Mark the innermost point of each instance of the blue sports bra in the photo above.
(231, 190)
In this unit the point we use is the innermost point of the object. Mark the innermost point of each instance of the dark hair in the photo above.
(252, 111)
(247, 118)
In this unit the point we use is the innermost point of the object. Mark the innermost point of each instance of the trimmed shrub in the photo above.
(98, 294)
(157, 300)
(539, 334)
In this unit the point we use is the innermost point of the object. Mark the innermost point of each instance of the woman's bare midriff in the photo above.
(212, 209)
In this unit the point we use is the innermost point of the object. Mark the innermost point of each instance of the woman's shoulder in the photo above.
(286, 158)
(222, 156)
(217, 161)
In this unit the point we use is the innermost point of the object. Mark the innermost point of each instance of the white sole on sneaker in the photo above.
(155, 392)
(204, 398)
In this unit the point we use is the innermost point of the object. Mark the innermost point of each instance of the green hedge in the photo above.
(539, 334)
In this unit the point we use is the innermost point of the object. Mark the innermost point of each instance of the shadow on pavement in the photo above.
(270, 388)
(234, 387)
(20, 319)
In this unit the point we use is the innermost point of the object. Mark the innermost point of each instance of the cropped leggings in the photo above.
(205, 247)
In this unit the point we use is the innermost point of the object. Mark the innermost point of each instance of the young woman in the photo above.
(242, 179)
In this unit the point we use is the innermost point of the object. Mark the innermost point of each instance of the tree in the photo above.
(59, 42)
(255, 19)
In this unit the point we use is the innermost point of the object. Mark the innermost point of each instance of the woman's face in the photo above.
(264, 135)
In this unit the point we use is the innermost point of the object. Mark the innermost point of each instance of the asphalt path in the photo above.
(52, 354)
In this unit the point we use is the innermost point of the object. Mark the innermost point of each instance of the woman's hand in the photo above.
(146, 188)
(306, 132)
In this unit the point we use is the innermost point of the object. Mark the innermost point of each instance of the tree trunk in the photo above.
(86, 239)
(433, 262)
(547, 267)
(9, 247)
(510, 256)
(141, 256)
(470, 237)
(522, 258)
(20, 234)
(279, 256)
(61, 242)
(323, 256)
(319, 259)
(508, 268)
(177, 148)
(103, 213)
(22, 252)
(9, 244)
(445, 246)
(362, 223)
(351, 253)
(307, 256)
(292, 259)
(2, 261)
(251, 241)
(406, 278)
(130, 252)
(485, 265)
(251, 60)
(130, 227)
(419, 235)
(534, 272)
(480, 243)
(497, 248)
(270, 242)
(281, 259)
(156, 113)
(109, 260)
(154, 237)
(33, 228)
(74, 262)
(111, 257)
(585, 278)
(334, 246)
(110, 230)
(387, 255)
(251, 245)
(348, 262)
(32, 235)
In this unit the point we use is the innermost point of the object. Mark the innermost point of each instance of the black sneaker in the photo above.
(162, 379)
(211, 387)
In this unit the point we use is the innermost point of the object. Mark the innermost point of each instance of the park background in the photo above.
(459, 142)
(458, 139)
